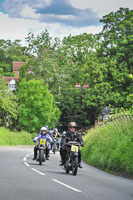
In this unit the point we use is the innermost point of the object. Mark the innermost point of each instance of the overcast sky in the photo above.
(60, 17)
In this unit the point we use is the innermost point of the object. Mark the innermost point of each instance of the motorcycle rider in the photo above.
(42, 135)
(62, 147)
(46, 126)
(48, 142)
(71, 135)
(55, 135)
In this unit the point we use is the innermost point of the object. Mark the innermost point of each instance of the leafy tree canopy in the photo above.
(37, 106)
(8, 103)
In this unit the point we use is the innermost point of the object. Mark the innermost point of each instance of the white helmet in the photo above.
(44, 129)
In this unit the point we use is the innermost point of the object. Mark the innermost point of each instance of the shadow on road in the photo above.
(55, 172)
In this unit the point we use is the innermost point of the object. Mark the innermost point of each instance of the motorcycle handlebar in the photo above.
(73, 143)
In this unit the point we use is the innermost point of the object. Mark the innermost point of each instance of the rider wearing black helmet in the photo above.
(71, 135)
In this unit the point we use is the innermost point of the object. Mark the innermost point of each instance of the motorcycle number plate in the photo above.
(74, 148)
(43, 141)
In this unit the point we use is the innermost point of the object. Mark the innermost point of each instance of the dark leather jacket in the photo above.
(77, 137)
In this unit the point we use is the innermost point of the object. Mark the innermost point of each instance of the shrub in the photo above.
(9, 138)
(111, 146)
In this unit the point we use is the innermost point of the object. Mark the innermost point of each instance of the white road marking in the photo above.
(38, 171)
(26, 164)
(72, 188)
(55, 180)
(24, 159)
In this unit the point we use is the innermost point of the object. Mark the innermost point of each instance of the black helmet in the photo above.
(64, 134)
(55, 130)
(72, 124)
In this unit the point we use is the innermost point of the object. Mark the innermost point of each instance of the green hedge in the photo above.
(110, 147)
(9, 138)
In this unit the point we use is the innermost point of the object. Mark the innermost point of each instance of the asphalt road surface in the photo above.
(21, 178)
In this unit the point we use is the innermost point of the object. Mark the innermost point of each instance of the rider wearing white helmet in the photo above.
(43, 134)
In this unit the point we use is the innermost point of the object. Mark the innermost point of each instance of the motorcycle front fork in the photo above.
(70, 160)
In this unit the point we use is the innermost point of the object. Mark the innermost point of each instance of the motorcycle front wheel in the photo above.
(41, 156)
(75, 166)
(66, 167)
(67, 170)
(54, 148)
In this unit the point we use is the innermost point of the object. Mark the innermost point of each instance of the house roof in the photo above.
(9, 78)
(17, 65)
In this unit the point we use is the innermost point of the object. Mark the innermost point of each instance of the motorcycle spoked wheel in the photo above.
(41, 156)
(67, 169)
(54, 148)
(75, 166)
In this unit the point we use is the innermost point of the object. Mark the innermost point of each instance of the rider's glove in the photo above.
(82, 144)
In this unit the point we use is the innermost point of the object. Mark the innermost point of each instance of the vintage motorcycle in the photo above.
(71, 163)
(41, 153)
(54, 145)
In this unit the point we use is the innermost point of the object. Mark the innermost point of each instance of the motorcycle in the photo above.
(71, 163)
(54, 145)
(41, 153)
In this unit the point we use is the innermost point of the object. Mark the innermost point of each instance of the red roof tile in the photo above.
(17, 65)
(9, 78)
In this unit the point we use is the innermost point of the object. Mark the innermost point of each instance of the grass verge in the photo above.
(110, 147)
(10, 138)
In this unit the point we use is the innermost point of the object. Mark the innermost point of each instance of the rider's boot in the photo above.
(61, 163)
(79, 165)
(35, 154)
(47, 154)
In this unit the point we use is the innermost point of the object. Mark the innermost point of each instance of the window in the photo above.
(12, 85)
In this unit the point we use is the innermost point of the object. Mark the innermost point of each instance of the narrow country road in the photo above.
(21, 178)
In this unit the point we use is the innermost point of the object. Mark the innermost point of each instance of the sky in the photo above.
(60, 17)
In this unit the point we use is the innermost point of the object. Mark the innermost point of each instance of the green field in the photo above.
(110, 147)
(9, 138)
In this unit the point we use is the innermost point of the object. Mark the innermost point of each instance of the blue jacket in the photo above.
(47, 137)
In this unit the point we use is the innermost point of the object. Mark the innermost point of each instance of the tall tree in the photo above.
(116, 51)
(96, 60)
(59, 64)
(8, 104)
(9, 52)
(36, 106)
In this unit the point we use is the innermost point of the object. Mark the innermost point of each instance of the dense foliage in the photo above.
(110, 147)
(11, 52)
(116, 51)
(102, 62)
(8, 103)
(13, 138)
(36, 106)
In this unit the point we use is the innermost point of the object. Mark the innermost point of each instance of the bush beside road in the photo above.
(110, 147)
(13, 138)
